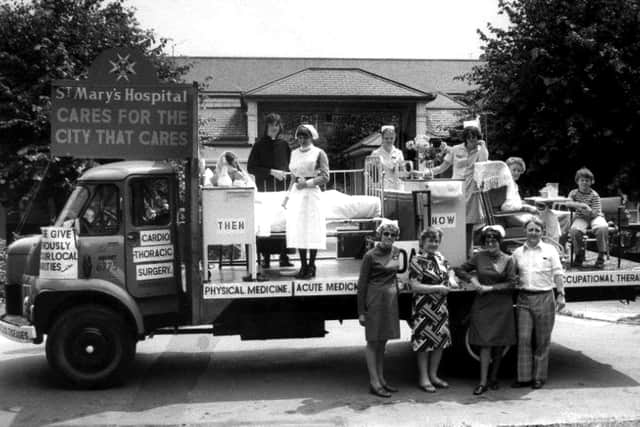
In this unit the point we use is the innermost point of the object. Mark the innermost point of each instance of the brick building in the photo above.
(346, 99)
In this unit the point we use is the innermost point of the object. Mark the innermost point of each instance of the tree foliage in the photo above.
(45, 40)
(561, 86)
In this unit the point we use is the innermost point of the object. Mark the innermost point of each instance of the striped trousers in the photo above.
(536, 312)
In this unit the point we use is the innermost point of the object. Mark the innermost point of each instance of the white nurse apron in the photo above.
(306, 227)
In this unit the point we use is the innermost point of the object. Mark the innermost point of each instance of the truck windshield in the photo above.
(74, 205)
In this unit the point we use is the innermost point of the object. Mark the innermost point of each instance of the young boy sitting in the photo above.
(586, 201)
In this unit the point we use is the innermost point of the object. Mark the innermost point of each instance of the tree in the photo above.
(562, 88)
(44, 40)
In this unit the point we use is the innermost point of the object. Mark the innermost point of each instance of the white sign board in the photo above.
(161, 270)
(347, 286)
(408, 249)
(246, 290)
(58, 253)
(155, 237)
(231, 225)
(583, 279)
(152, 253)
(444, 220)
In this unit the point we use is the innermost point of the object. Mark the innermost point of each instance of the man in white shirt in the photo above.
(540, 270)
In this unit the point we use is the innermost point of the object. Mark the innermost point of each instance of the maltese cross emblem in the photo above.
(122, 67)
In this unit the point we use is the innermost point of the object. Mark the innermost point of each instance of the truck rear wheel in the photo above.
(91, 346)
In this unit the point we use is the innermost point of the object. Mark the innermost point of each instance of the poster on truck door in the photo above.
(58, 253)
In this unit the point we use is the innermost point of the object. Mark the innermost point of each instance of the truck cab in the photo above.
(128, 281)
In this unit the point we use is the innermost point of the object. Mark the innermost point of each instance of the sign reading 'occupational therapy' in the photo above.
(122, 111)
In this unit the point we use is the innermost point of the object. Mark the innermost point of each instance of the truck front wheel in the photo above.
(90, 345)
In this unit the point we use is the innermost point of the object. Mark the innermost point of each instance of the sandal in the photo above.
(480, 389)
(427, 388)
(379, 391)
(390, 388)
(440, 383)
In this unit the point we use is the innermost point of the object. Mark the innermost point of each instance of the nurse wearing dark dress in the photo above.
(378, 304)
(492, 273)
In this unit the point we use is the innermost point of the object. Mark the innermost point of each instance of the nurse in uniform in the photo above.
(306, 227)
(462, 157)
(391, 157)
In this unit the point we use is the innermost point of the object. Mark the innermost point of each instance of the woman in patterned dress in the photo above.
(431, 277)
(378, 304)
(492, 325)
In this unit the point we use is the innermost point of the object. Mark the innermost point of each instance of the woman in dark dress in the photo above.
(492, 325)
(430, 277)
(378, 304)
(268, 163)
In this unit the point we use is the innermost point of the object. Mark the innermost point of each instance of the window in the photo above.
(150, 201)
(74, 205)
(102, 214)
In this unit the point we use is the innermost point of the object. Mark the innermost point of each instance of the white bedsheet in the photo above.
(270, 215)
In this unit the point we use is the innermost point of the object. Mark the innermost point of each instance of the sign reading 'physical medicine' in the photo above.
(122, 111)
(58, 254)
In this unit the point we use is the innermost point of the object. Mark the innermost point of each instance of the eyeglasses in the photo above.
(390, 234)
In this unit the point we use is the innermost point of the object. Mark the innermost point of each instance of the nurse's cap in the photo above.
(307, 128)
(385, 128)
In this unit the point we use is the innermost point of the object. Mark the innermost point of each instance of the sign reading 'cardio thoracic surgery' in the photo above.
(122, 111)
(155, 245)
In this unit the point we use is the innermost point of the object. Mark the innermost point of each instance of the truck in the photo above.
(130, 255)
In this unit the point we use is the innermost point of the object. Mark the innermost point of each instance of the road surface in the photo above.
(204, 380)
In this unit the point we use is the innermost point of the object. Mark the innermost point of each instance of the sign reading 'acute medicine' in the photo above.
(122, 111)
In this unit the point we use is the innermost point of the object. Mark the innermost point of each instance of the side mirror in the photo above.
(76, 226)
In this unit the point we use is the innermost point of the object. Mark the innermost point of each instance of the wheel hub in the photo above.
(91, 350)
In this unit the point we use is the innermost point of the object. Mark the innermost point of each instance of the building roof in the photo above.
(238, 74)
(337, 82)
(366, 145)
(445, 102)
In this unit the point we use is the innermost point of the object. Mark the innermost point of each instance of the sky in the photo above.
(432, 29)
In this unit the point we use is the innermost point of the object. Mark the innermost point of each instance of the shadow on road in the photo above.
(324, 378)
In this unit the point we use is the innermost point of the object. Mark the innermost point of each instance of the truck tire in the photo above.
(90, 346)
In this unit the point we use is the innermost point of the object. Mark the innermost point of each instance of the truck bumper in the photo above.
(17, 328)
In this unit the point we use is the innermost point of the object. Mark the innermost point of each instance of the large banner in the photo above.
(121, 111)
